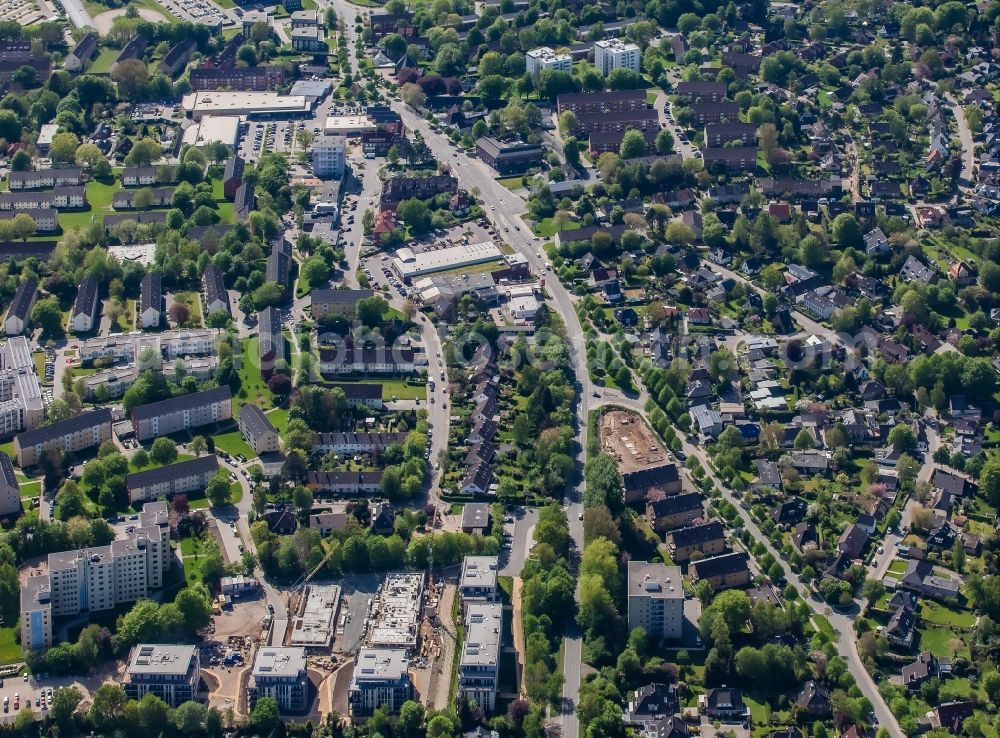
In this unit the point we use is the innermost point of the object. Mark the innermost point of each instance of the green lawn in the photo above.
(391, 387)
(10, 652)
(193, 302)
(936, 640)
(547, 228)
(31, 489)
(232, 443)
(102, 64)
(937, 614)
(897, 567)
(253, 388)
(511, 183)
(99, 196)
(278, 417)
(192, 549)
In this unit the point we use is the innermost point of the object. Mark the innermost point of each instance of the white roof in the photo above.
(441, 260)
(220, 102)
(220, 128)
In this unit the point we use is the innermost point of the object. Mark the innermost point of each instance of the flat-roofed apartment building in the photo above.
(21, 406)
(479, 667)
(171, 672)
(280, 673)
(478, 581)
(381, 678)
(98, 578)
(258, 431)
(182, 413)
(166, 481)
(656, 599)
(543, 58)
(80, 432)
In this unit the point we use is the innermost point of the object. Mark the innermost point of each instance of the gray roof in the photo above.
(339, 297)
(358, 390)
(7, 476)
(181, 402)
(151, 292)
(475, 515)
(161, 659)
(215, 286)
(723, 564)
(698, 534)
(86, 298)
(234, 168)
(256, 422)
(200, 465)
(75, 424)
(20, 306)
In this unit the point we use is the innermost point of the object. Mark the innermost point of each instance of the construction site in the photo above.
(627, 438)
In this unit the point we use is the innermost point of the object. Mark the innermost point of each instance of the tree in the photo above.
(989, 480)
(302, 498)
(70, 501)
(198, 445)
(63, 148)
(371, 309)
(265, 715)
(108, 707)
(131, 76)
(412, 95)
(804, 440)
(163, 451)
(180, 314)
(20, 161)
(664, 142)
(315, 271)
(194, 604)
(416, 215)
(63, 707)
(144, 152)
(633, 144)
(901, 438)
(217, 490)
(846, 231)
(47, 316)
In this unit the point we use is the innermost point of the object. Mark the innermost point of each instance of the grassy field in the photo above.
(547, 228)
(897, 567)
(192, 550)
(936, 614)
(511, 183)
(10, 652)
(99, 196)
(391, 387)
(253, 388)
(232, 443)
(31, 489)
(937, 641)
(193, 302)
(102, 64)
(278, 417)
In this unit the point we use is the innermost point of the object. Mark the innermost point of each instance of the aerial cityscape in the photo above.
(499, 369)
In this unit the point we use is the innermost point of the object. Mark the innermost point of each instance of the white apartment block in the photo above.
(479, 668)
(542, 58)
(329, 156)
(655, 599)
(168, 345)
(21, 406)
(613, 53)
(171, 672)
(381, 677)
(100, 578)
(478, 582)
(182, 413)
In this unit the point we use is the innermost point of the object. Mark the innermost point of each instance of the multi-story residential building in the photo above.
(309, 39)
(43, 179)
(151, 300)
(543, 58)
(182, 413)
(147, 176)
(257, 430)
(383, 360)
(99, 578)
(332, 305)
(721, 572)
(509, 158)
(656, 599)
(216, 295)
(645, 120)
(731, 158)
(478, 581)
(159, 197)
(707, 539)
(249, 79)
(403, 187)
(479, 667)
(365, 395)
(81, 53)
(703, 113)
(720, 134)
(46, 219)
(166, 481)
(381, 678)
(19, 312)
(177, 58)
(232, 177)
(355, 443)
(305, 19)
(168, 345)
(80, 432)
(279, 262)
(692, 92)
(613, 53)
(329, 156)
(280, 673)
(84, 311)
(21, 406)
(674, 511)
(171, 672)
(10, 488)
(344, 482)
(270, 341)
(602, 102)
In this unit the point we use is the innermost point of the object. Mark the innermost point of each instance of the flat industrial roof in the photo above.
(219, 102)
(224, 129)
(479, 571)
(341, 123)
(414, 265)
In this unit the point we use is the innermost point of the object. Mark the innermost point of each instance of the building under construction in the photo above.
(396, 611)
(314, 622)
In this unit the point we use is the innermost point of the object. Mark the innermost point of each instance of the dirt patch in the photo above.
(627, 438)
(103, 21)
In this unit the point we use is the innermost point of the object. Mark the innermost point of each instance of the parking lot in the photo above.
(21, 693)
(277, 136)
(197, 11)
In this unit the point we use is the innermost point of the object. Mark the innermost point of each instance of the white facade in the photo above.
(656, 599)
(329, 156)
(479, 668)
(538, 60)
(613, 53)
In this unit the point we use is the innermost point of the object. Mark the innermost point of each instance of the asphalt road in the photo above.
(966, 178)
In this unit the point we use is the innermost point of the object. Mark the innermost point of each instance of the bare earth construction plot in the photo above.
(627, 438)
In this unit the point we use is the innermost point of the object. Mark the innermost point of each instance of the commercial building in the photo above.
(656, 599)
(223, 129)
(478, 581)
(19, 312)
(348, 125)
(408, 265)
(613, 53)
(171, 672)
(329, 156)
(280, 673)
(21, 406)
(251, 104)
(509, 158)
(258, 431)
(380, 679)
(173, 479)
(182, 413)
(542, 58)
(395, 615)
(151, 300)
(84, 311)
(313, 626)
(479, 667)
(80, 432)
(99, 578)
